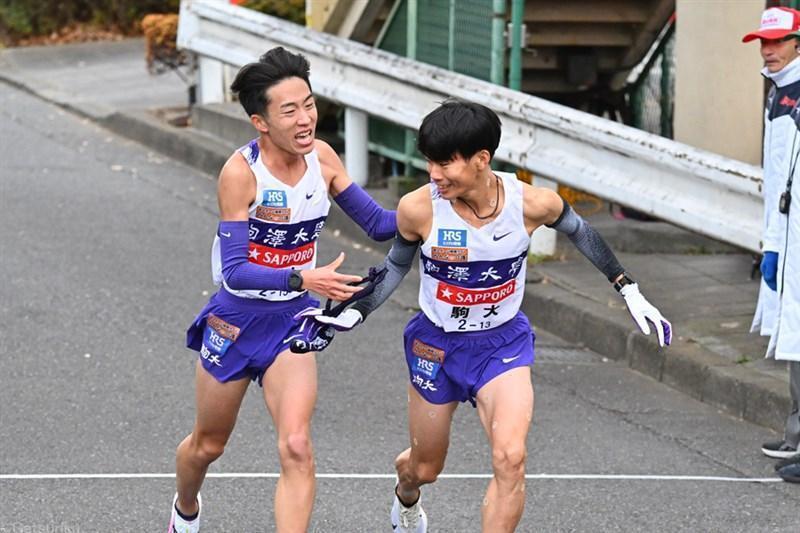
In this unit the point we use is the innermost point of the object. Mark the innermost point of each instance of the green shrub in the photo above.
(294, 10)
(29, 18)
(26, 18)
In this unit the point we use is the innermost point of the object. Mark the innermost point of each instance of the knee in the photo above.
(428, 473)
(424, 473)
(207, 449)
(508, 460)
(296, 449)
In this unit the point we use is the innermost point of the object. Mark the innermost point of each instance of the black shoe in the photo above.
(788, 461)
(790, 473)
(778, 449)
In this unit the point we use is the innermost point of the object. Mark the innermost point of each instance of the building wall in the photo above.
(719, 90)
(318, 12)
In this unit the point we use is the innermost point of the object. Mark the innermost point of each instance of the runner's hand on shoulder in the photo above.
(329, 283)
(643, 312)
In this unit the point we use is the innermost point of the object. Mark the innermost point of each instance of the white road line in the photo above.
(273, 475)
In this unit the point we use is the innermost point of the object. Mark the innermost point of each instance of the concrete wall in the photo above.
(318, 12)
(718, 88)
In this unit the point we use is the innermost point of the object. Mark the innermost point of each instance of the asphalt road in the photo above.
(104, 254)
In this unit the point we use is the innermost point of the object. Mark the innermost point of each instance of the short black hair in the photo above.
(253, 79)
(458, 127)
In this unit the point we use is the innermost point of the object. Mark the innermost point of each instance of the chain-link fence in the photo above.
(652, 96)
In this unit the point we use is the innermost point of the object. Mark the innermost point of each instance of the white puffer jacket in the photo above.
(785, 341)
(779, 130)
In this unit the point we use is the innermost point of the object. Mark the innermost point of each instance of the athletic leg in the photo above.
(217, 406)
(429, 433)
(505, 407)
(290, 392)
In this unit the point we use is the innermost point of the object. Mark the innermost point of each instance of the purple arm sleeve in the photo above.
(379, 223)
(238, 272)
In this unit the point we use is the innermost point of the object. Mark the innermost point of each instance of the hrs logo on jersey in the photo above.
(452, 246)
(452, 237)
(273, 206)
(274, 198)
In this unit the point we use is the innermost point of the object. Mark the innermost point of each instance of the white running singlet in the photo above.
(285, 223)
(473, 279)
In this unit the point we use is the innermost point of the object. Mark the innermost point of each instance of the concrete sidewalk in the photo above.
(708, 297)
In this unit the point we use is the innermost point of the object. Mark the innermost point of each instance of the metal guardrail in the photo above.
(692, 188)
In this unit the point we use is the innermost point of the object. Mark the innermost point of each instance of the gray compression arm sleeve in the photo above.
(397, 264)
(588, 241)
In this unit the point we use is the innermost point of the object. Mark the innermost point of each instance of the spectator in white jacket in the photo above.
(779, 48)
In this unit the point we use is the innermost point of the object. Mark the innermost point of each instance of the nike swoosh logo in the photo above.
(507, 360)
(495, 237)
(225, 234)
(310, 196)
(394, 526)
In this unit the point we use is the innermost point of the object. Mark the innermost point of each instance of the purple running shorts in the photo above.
(448, 367)
(239, 338)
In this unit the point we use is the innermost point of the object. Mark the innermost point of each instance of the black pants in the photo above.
(791, 434)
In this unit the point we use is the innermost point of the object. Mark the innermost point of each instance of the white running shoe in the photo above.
(409, 519)
(178, 524)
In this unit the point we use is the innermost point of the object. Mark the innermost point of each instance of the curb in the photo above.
(187, 145)
(685, 366)
(190, 146)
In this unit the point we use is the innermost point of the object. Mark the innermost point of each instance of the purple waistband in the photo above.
(255, 305)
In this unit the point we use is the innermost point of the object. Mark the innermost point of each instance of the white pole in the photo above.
(543, 242)
(355, 145)
(210, 87)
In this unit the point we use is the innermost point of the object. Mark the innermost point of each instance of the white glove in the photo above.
(315, 330)
(347, 319)
(309, 335)
(643, 312)
(344, 321)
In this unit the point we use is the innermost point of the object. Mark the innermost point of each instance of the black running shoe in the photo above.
(790, 473)
(788, 461)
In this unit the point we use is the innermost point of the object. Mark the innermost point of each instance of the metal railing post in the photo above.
(411, 53)
(515, 68)
(210, 89)
(498, 73)
(356, 152)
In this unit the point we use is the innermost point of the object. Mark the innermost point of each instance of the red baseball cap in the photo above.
(776, 23)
